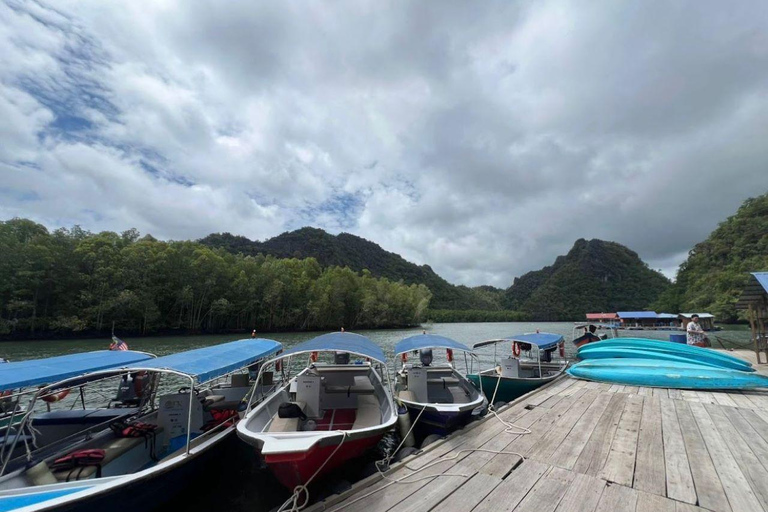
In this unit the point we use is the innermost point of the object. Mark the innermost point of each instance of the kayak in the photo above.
(628, 351)
(704, 354)
(665, 374)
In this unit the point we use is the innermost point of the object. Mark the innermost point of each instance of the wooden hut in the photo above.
(754, 300)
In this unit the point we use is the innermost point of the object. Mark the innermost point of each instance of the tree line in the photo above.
(71, 281)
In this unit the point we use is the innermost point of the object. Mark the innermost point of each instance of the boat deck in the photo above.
(592, 447)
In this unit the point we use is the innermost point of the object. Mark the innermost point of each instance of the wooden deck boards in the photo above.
(592, 447)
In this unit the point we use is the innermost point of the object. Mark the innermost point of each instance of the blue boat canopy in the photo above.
(340, 342)
(636, 314)
(421, 341)
(542, 340)
(50, 370)
(208, 363)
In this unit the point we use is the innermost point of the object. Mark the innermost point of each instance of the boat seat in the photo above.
(279, 424)
(115, 448)
(368, 412)
(445, 381)
(362, 386)
(460, 396)
(407, 394)
(209, 400)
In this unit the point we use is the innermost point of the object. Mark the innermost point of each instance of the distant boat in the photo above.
(152, 441)
(665, 374)
(329, 413)
(438, 398)
(531, 364)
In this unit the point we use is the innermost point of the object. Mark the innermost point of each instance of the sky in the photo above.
(482, 139)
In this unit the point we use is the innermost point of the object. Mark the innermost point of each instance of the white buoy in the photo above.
(404, 425)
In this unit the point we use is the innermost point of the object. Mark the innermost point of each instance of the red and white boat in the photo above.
(329, 413)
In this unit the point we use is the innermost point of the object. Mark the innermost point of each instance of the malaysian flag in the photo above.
(118, 344)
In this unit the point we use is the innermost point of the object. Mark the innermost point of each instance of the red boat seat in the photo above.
(279, 424)
(368, 412)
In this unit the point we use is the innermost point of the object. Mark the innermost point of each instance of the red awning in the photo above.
(602, 316)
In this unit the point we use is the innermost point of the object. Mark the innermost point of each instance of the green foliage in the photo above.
(475, 315)
(346, 250)
(594, 276)
(73, 281)
(716, 269)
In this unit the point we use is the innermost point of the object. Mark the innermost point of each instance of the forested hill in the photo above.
(346, 250)
(594, 276)
(716, 269)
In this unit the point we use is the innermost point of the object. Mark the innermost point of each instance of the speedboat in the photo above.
(439, 399)
(536, 358)
(182, 406)
(332, 411)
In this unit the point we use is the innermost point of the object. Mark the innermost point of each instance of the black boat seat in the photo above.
(209, 400)
(113, 448)
(368, 412)
(445, 381)
(279, 424)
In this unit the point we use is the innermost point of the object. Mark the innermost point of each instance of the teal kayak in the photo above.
(665, 374)
(629, 351)
(690, 351)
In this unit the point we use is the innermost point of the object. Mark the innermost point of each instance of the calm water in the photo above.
(237, 483)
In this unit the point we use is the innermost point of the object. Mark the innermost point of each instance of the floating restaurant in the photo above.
(651, 320)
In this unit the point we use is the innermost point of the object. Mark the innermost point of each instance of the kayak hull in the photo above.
(628, 351)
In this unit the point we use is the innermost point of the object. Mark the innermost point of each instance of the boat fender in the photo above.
(449, 355)
(404, 357)
(561, 346)
(515, 349)
(290, 410)
(432, 438)
(403, 453)
(404, 425)
(55, 397)
(313, 357)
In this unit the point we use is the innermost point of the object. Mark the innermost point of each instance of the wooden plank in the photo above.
(741, 400)
(509, 493)
(644, 391)
(583, 494)
(684, 507)
(468, 495)
(547, 493)
(631, 390)
(740, 495)
(679, 479)
(567, 453)
(616, 388)
(689, 395)
(592, 457)
(617, 498)
(706, 397)
(660, 392)
(708, 485)
(758, 444)
(650, 475)
(750, 465)
(756, 421)
(620, 464)
(647, 502)
(723, 398)
(499, 465)
(562, 427)
(381, 497)
(758, 399)
(433, 494)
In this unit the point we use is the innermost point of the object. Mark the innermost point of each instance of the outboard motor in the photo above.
(126, 392)
(425, 356)
(341, 357)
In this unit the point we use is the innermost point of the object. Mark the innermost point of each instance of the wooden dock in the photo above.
(592, 447)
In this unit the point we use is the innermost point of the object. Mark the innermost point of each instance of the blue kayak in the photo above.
(690, 351)
(665, 374)
(629, 351)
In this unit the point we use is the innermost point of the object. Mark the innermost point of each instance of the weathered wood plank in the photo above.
(562, 427)
(684, 507)
(509, 493)
(660, 392)
(690, 395)
(583, 494)
(647, 502)
(592, 457)
(432, 495)
(616, 388)
(469, 495)
(708, 486)
(644, 391)
(723, 398)
(547, 493)
(675, 394)
(568, 451)
(620, 465)
(650, 473)
(742, 400)
(499, 465)
(756, 442)
(740, 495)
(617, 498)
(679, 479)
(631, 390)
(750, 465)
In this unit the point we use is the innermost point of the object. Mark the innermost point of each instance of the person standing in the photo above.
(695, 335)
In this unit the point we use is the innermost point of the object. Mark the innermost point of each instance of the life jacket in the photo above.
(220, 416)
(76, 461)
(138, 429)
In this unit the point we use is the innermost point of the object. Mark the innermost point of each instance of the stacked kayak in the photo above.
(654, 363)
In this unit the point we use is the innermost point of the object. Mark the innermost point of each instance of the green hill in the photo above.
(346, 250)
(716, 269)
(593, 276)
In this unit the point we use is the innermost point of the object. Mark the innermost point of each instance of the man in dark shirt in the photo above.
(588, 337)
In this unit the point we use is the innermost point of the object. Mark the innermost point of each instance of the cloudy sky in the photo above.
(480, 138)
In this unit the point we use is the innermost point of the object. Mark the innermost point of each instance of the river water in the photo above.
(237, 482)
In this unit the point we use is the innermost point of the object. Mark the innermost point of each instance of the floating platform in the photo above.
(592, 447)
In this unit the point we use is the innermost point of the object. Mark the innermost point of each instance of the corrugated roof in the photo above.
(636, 314)
(701, 315)
(601, 316)
(755, 291)
(666, 315)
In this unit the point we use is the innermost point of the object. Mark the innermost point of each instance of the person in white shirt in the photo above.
(695, 334)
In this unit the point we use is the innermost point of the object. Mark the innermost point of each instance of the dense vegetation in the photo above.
(474, 315)
(593, 276)
(712, 277)
(73, 281)
(345, 250)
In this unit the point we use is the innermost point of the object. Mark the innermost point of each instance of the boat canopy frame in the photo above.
(540, 340)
